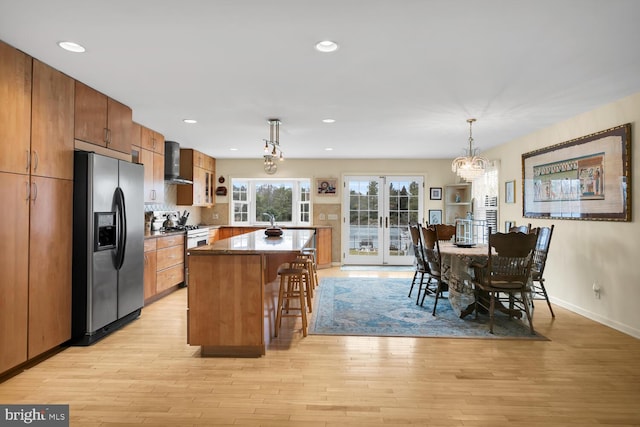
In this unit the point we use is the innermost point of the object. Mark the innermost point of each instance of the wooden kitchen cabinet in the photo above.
(151, 155)
(14, 265)
(15, 111)
(169, 261)
(102, 121)
(199, 168)
(38, 197)
(323, 247)
(52, 123)
(149, 268)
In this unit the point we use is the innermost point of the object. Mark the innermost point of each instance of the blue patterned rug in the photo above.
(369, 306)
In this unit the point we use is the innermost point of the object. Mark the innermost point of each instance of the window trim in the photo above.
(297, 201)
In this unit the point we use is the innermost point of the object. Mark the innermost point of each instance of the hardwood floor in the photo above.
(587, 374)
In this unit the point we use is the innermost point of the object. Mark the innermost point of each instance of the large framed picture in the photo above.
(587, 178)
(435, 193)
(435, 216)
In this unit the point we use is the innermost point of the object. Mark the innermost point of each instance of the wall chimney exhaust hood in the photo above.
(172, 164)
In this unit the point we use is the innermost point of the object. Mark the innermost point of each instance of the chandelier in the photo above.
(272, 145)
(471, 165)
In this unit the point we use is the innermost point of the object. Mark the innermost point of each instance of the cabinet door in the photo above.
(14, 265)
(50, 264)
(52, 123)
(158, 177)
(152, 140)
(158, 143)
(119, 123)
(15, 109)
(146, 158)
(90, 115)
(149, 274)
(323, 244)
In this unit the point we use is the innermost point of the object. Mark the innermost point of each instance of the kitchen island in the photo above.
(232, 292)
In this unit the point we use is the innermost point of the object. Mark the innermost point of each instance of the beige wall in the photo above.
(584, 252)
(436, 173)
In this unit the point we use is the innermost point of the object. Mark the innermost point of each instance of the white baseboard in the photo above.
(597, 318)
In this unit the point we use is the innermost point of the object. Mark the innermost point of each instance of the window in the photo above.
(485, 196)
(254, 200)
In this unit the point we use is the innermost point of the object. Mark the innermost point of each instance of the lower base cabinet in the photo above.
(163, 264)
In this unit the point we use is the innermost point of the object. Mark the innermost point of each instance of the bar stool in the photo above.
(311, 253)
(293, 279)
(306, 262)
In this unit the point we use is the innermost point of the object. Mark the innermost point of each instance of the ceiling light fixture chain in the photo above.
(471, 165)
(272, 148)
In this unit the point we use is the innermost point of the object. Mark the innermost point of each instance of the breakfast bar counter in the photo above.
(231, 305)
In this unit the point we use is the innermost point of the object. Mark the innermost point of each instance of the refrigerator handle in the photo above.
(122, 229)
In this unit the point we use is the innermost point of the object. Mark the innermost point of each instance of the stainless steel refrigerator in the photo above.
(108, 245)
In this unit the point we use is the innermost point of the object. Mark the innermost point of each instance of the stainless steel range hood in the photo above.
(172, 164)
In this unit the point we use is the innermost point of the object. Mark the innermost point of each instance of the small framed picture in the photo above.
(326, 186)
(435, 216)
(435, 193)
(510, 192)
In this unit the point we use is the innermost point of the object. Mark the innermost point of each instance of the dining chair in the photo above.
(445, 231)
(507, 270)
(421, 266)
(538, 290)
(520, 229)
(431, 247)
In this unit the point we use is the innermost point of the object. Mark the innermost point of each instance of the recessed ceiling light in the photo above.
(328, 120)
(233, 149)
(326, 46)
(71, 47)
(328, 149)
(190, 121)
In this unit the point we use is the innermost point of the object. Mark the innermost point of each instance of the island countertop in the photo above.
(292, 240)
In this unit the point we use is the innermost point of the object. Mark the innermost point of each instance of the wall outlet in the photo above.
(322, 217)
(596, 290)
(333, 217)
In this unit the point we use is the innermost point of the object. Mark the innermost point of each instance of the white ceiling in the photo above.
(405, 79)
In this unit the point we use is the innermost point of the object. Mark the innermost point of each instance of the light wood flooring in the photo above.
(146, 374)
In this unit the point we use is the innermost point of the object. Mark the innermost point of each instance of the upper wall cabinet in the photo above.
(101, 120)
(199, 168)
(15, 110)
(52, 123)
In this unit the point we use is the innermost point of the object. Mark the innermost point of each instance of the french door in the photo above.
(377, 211)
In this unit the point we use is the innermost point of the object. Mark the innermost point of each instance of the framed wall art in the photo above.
(587, 178)
(510, 192)
(326, 186)
(435, 216)
(435, 193)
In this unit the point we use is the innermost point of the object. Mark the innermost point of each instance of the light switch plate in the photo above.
(333, 217)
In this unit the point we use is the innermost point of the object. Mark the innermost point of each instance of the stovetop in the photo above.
(181, 228)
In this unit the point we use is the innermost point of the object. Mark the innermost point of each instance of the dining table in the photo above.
(459, 274)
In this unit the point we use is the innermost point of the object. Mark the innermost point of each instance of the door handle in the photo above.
(36, 161)
(28, 188)
(35, 191)
(380, 222)
(28, 160)
(386, 222)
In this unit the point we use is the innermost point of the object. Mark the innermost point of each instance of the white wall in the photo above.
(584, 252)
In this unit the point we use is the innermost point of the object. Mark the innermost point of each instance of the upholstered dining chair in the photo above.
(539, 260)
(507, 270)
(445, 231)
(421, 266)
(431, 247)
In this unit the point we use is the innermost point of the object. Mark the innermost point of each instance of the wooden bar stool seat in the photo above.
(291, 295)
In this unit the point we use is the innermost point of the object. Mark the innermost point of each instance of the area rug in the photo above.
(378, 268)
(366, 306)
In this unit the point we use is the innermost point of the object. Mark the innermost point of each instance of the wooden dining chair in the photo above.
(520, 229)
(421, 266)
(539, 260)
(445, 231)
(433, 259)
(507, 270)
